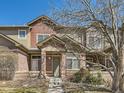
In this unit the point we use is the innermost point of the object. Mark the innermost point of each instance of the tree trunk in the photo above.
(115, 84)
(118, 83)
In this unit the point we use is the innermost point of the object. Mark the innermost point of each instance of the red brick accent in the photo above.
(22, 62)
(39, 28)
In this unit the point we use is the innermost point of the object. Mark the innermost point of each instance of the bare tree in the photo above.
(107, 17)
(7, 63)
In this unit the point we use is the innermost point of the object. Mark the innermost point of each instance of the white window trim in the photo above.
(98, 37)
(95, 35)
(19, 34)
(40, 34)
(73, 59)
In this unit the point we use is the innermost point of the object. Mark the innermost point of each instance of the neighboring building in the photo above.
(49, 49)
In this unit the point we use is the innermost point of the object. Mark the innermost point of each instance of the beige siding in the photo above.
(14, 35)
(76, 36)
(4, 42)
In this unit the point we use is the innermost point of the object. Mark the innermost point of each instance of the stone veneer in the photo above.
(22, 71)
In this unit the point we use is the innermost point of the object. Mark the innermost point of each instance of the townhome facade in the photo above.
(48, 49)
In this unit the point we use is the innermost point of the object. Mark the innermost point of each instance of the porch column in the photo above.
(63, 66)
(83, 60)
(43, 63)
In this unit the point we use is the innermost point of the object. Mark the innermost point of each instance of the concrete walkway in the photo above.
(55, 90)
(55, 85)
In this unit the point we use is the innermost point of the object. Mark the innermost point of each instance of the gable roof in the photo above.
(72, 44)
(40, 44)
(14, 42)
(13, 26)
(69, 44)
(42, 18)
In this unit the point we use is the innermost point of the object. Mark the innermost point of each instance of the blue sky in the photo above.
(19, 12)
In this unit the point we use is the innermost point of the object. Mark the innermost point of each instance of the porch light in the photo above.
(49, 58)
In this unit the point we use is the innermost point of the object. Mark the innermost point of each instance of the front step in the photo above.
(55, 82)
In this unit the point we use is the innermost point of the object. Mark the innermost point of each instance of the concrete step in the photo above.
(54, 82)
(55, 85)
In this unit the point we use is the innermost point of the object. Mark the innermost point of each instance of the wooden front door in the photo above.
(53, 65)
(49, 66)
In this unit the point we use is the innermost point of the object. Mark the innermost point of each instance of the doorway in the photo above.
(53, 65)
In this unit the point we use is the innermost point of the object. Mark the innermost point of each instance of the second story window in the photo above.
(22, 34)
(41, 37)
(94, 42)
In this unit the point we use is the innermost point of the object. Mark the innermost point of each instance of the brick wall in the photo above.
(22, 72)
(22, 62)
(39, 28)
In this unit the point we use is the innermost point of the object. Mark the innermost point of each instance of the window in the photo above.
(94, 42)
(22, 34)
(42, 37)
(72, 63)
(35, 63)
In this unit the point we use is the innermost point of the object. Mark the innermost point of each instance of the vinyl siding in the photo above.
(14, 35)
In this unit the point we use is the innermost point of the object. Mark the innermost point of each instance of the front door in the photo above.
(56, 66)
(53, 65)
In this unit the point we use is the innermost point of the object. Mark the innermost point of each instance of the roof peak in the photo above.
(40, 17)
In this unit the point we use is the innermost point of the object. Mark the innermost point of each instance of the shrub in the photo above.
(79, 76)
(86, 77)
(95, 80)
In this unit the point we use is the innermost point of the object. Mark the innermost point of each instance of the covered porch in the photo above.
(54, 56)
(53, 64)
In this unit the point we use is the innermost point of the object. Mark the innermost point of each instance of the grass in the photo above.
(26, 86)
(96, 92)
(23, 90)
